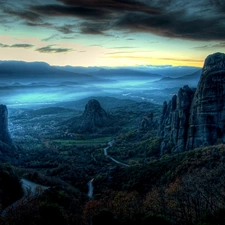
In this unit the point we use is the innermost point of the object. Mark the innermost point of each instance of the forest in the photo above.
(146, 188)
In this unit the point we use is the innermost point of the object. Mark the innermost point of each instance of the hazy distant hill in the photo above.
(169, 82)
(175, 71)
(114, 73)
(192, 76)
(126, 74)
(39, 70)
(106, 102)
(140, 71)
(79, 69)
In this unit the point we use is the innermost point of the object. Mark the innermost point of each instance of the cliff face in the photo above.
(175, 120)
(4, 133)
(196, 118)
(207, 120)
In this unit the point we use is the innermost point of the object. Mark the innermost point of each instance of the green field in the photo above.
(86, 142)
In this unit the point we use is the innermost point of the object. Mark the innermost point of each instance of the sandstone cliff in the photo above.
(195, 118)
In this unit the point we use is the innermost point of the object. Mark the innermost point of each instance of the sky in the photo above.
(112, 33)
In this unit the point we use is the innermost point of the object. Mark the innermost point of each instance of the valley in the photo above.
(125, 155)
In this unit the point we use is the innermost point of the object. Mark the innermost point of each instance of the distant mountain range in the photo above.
(123, 74)
(169, 82)
(106, 102)
(36, 72)
(194, 76)
(39, 71)
(143, 71)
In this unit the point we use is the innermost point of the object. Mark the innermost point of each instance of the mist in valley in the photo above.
(40, 85)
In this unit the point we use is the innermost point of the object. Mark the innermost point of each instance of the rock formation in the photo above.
(4, 133)
(175, 119)
(147, 123)
(93, 117)
(195, 118)
(207, 115)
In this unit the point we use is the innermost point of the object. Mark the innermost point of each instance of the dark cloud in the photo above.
(48, 25)
(4, 46)
(114, 5)
(68, 37)
(70, 11)
(194, 20)
(16, 46)
(21, 46)
(51, 49)
(50, 38)
(94, 28)
(208, 47)
(25, 14)
(182, 19)
(66, 29)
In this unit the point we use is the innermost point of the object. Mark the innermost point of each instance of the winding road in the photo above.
(90, 183)
(110, 143)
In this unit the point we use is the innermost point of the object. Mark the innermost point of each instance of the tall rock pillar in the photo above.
(207, 114)
(174, 121)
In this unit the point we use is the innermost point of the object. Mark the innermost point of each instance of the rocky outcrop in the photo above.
(147, 122)
(93, 117)
(207, 120)
(175, 119)
(196, 118)
(4, 133)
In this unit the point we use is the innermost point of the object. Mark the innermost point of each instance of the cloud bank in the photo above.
(202, 20)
